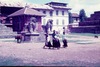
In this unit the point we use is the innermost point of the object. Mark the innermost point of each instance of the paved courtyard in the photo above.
(81, 51)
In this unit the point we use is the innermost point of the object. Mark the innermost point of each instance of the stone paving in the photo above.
(77, 53)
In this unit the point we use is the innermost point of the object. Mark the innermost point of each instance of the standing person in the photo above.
(63, 30)
(53, 34)
(65, 43)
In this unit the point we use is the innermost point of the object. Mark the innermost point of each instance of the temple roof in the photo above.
(35, 6)
(58, 5)
(27, 11)
(75, 15)
(61, 7)
(56, 2)
(19, 4)
(40, 6)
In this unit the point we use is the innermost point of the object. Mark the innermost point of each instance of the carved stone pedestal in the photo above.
(31, 37)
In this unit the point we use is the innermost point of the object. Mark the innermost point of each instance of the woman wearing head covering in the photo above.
(56, 42)
(65, 42)
(48, 43)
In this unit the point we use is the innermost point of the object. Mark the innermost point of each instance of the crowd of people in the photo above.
(54, 41)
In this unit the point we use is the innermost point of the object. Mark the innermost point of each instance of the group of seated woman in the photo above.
(55, 42)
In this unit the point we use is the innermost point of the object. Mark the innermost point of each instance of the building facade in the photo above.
(75, 20)
(90, 25)
(59, 15)
(56, 11)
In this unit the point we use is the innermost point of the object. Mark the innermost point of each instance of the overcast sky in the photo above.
(88, 5)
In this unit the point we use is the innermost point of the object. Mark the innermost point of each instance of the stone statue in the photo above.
(48, 28)
(49, 25)
(31, 25)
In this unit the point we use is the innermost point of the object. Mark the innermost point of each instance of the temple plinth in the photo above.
(26, 22)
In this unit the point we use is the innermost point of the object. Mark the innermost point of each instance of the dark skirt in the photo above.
(65, 43)
(56, 43)
(48, 44)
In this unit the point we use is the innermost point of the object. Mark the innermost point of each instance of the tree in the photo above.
(70, 18)
(82, 15)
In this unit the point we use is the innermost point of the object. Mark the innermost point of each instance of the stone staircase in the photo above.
(6, 32)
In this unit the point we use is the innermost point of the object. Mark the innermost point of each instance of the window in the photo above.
(57, 22)
(76, 19)
(38, 10)
(63, 13)
(44, 12)
(63, 22)
(51, 13)
(57, 12)
(44, 21)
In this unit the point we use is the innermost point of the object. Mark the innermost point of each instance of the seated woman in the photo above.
(65, 42)
(48, 43)
(56, 42)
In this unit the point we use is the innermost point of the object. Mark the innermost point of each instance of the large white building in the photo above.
(59, 15)
(56, 11)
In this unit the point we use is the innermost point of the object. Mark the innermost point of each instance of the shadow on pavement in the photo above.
(10, 61)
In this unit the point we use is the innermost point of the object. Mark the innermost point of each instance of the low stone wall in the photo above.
(85, 29)
(7, 36)
(40, 37)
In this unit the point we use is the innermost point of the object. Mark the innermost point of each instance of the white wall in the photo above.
(60, 18)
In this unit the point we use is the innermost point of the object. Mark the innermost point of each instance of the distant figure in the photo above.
(63, 30)
(65, 43)
(19, 38)
(56, 42)
(96, 36)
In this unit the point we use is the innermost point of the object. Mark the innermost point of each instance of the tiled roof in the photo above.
(30, 5)
(61, 7)
(1, 18)
(19, 4)
(57, 2)
(40, 6)
(27, 11)
(75, 15)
